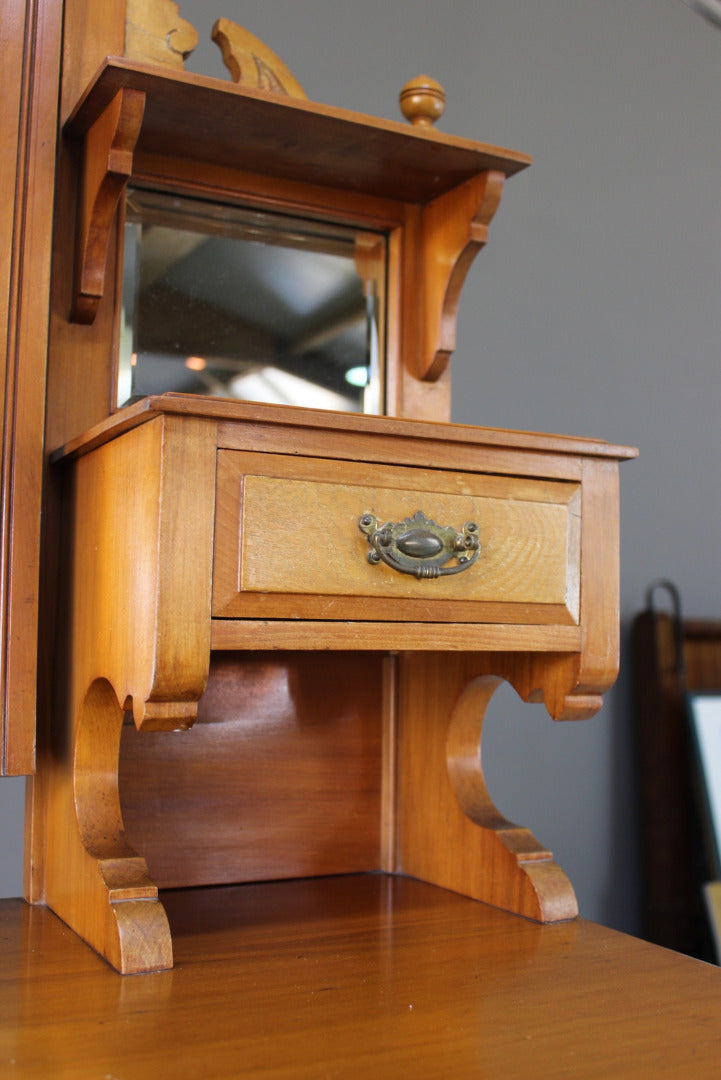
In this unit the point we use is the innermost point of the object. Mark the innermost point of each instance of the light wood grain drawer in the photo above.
(288, 543)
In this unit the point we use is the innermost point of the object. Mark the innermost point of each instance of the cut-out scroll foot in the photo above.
(95, 881)
(118, 913)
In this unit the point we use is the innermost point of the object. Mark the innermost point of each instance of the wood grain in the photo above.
(293, 784)
(251, 63)
(136, 627)
(316, 761)
(107, 166)
(279, 427)
(144, 507)
(355, 976)
(449, 831)
(338, 148)
(155, 32)
(91, 32)
(290, 525)
(454, 229)
(31, 33)
(396, 637)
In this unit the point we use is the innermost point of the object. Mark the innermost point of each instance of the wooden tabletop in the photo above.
(367, 976)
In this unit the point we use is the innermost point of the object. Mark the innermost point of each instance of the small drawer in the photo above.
(289, 543)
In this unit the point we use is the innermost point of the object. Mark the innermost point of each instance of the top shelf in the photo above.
(208, 120)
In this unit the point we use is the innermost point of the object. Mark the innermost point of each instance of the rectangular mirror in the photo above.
(233, 302)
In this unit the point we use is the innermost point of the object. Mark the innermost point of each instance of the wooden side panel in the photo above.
(30, 50)
(572, 687)
(135, 633)
(279, 777)
(449, 831)
(142, 550)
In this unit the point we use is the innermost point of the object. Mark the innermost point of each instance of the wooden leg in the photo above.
(450, 833)
(95, 881)
(134, 605)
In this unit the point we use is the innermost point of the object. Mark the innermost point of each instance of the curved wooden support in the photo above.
(450, 833)
(95, 881)
(155, 33)
(253, 64)
(107, 167)
(454, 229)
(539, 888)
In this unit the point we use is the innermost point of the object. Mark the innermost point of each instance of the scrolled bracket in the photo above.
(454, 229)
(107, 167)
(419, 546)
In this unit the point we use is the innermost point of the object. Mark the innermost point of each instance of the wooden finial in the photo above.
(422, 100)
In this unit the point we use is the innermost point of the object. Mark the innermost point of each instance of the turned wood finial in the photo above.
(422, 100)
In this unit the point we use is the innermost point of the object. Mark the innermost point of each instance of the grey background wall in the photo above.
(594, 311)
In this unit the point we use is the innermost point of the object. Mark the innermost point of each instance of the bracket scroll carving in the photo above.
(450, 832)
(531, 878)
(121, 916)
(454, 229)
(251, 63)
(155, 33)
(107, 166)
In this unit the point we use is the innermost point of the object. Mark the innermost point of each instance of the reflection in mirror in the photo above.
(231, 302)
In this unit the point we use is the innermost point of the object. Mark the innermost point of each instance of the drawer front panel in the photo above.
(289, 544)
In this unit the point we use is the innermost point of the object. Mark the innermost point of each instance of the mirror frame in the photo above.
(364, 253)
(335, 208)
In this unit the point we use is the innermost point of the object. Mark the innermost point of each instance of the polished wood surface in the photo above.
(30, 39)
(392, 635)
(422, 100)
(107, 166)
(442, 191)
(449, 831)
(129, 518)
(270, 427)
(288, 542)
(295, 775)
(454, 228)
(351, 977)
(140, 517)
(137, 632)
(190, 116)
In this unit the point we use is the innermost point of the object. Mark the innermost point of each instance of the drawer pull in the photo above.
(419, 546)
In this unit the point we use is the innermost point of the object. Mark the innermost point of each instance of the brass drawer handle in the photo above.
(419, 546)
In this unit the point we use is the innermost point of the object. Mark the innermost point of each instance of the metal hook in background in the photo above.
(675, 596)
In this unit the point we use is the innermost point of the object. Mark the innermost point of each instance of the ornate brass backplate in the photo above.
(419, 546)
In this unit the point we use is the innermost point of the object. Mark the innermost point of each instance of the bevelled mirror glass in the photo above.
(233, 302)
